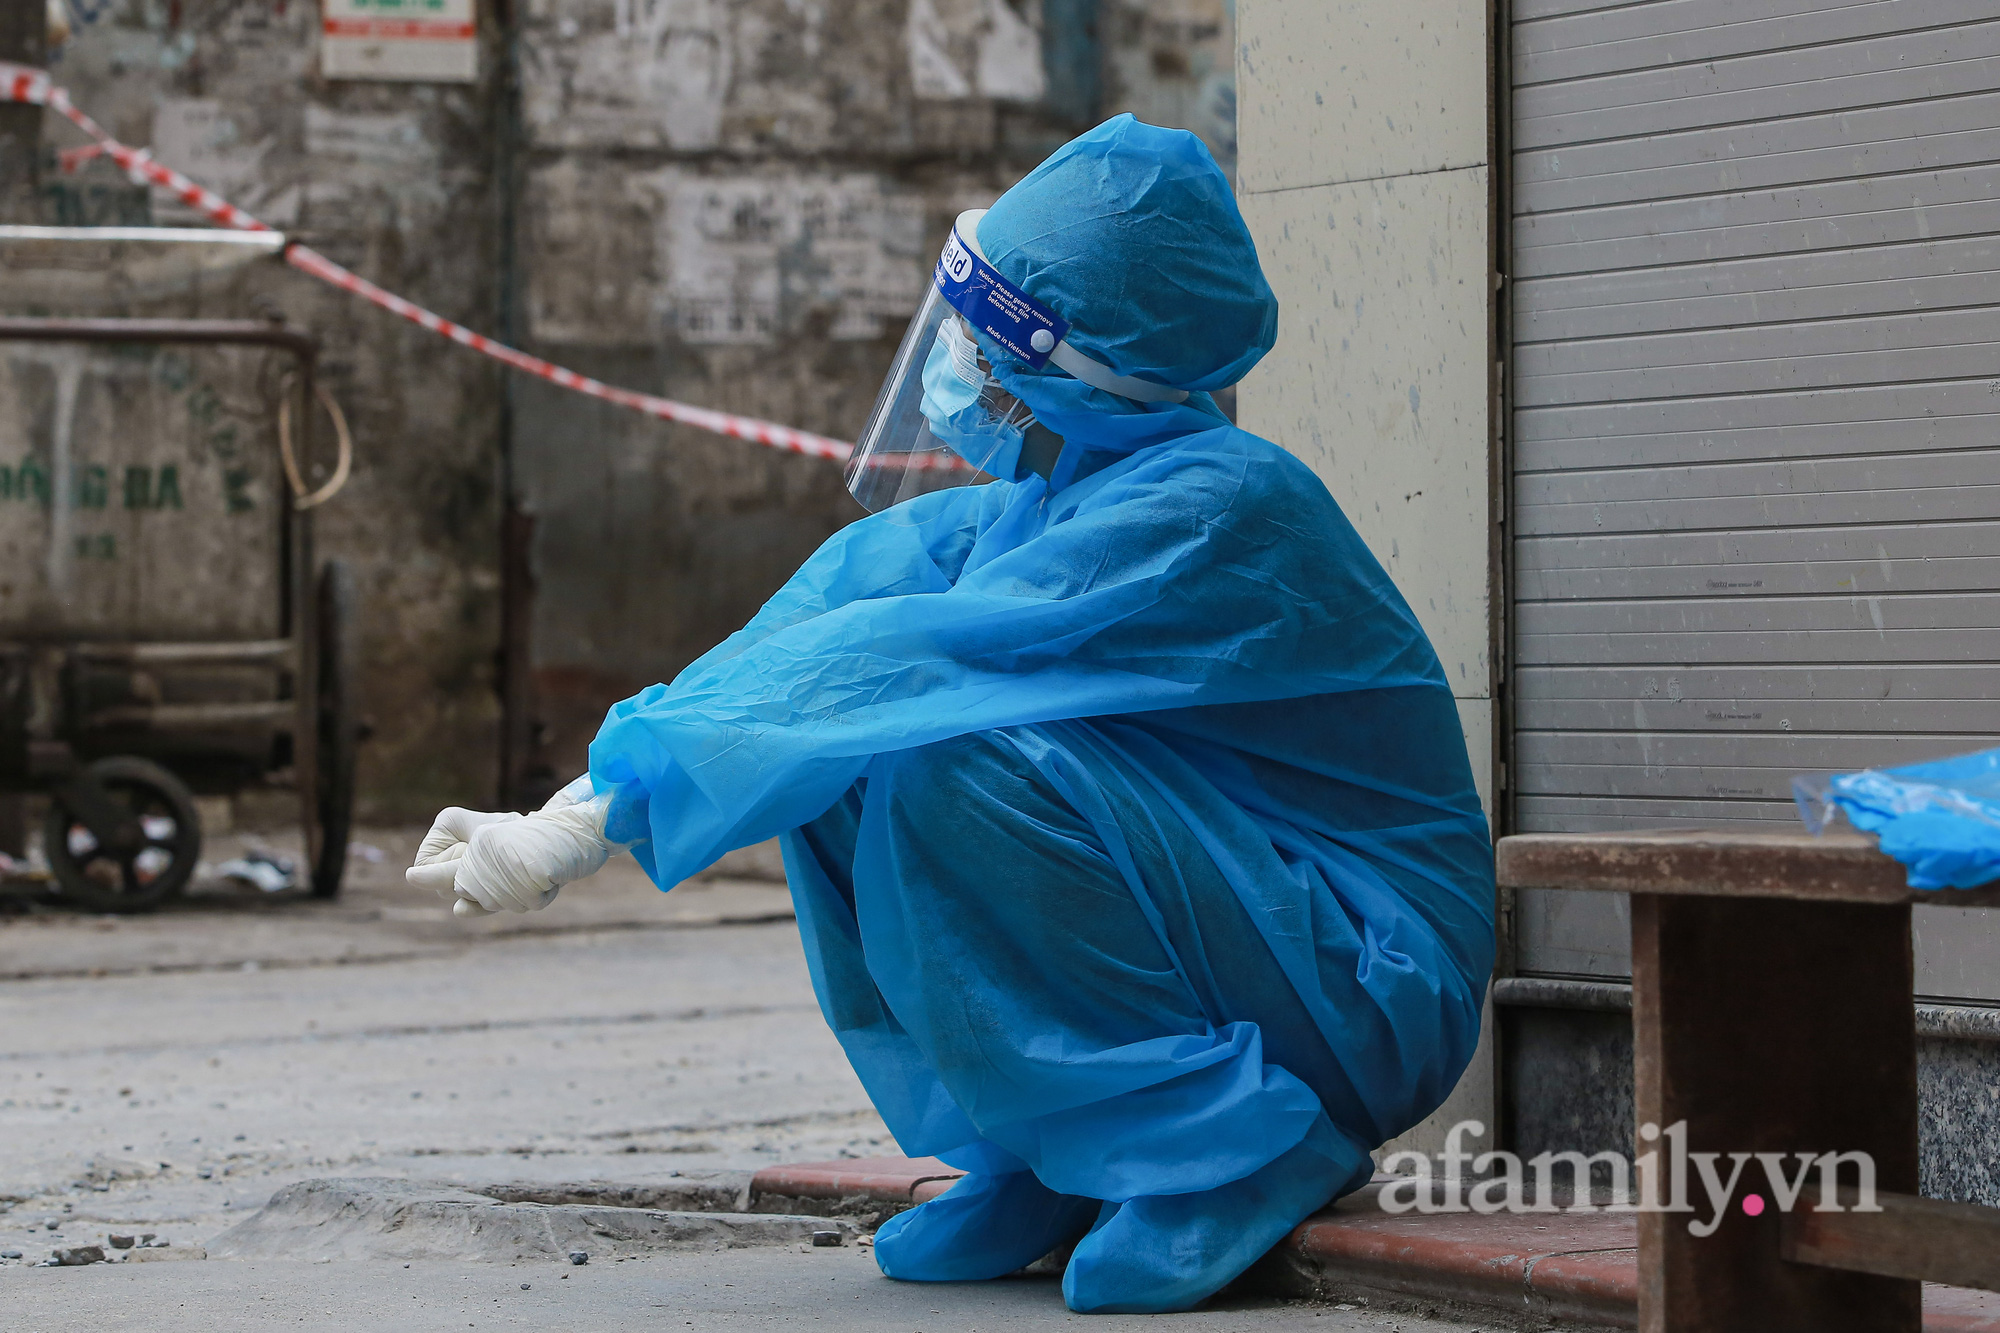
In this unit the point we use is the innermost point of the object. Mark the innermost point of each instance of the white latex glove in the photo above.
(484, 863)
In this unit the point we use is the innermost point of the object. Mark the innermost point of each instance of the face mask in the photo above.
(968, 409)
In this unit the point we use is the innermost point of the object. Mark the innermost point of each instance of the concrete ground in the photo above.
(182, 1066)
(166, 1074)
(834, 1290)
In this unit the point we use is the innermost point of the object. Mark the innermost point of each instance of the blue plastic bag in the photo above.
(1940, 819)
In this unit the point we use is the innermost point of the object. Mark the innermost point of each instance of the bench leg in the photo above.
(1770, 1026)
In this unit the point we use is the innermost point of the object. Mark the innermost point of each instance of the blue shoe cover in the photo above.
(982, 1227)
(1169, 1252)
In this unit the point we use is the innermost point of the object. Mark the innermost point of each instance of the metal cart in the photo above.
(121, 699)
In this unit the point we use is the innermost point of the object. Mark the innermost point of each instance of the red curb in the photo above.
(1581, 1266)
(1576, 1265)
(888, 1179)
(1607, 1281)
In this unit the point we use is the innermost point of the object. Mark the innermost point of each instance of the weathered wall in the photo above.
(738, 204)
(733, 202)
(1173, 62)
(1365, 175)
(23, 33)
(395, 181)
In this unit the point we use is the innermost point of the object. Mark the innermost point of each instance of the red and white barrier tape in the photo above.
(20, 83)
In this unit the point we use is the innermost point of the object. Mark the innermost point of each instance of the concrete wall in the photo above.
(734, 202)
(1364, 171)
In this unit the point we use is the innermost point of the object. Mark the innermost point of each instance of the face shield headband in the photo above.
(1027, 329)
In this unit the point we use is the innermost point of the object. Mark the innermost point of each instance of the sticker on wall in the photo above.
(416, 41)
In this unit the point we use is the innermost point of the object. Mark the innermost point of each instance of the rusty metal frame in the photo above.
(299, 649)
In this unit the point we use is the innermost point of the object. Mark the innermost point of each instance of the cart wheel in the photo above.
(339, 728)
(96, 878)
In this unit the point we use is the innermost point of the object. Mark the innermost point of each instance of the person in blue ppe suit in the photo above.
(1124, 803)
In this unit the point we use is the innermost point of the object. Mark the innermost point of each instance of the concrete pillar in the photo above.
(1364, 166)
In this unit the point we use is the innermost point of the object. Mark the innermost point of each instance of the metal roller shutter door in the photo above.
(1755, 438)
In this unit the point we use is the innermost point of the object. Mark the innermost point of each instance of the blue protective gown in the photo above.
(1128, 816)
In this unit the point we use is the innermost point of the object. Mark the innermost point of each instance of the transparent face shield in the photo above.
(942, 418)
(912, 446)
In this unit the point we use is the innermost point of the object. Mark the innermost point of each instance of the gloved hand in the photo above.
(481, 862)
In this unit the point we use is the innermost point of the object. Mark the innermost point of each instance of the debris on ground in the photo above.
(262, 870)
(385, 1218)
(162, 1253)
